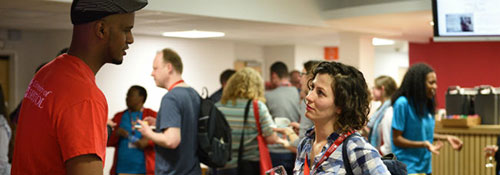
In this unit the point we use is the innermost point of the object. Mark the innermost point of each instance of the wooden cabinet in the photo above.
(471, 159)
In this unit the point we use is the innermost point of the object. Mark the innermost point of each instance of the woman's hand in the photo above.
(284, 131)
(296, 127)
(455, 142)
(490, 150)
(111, 123)
(434, 148)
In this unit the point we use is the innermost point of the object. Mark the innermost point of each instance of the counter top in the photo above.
(478, 129)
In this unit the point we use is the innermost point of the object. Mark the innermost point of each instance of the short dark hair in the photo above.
(414, 89)
(224, 76)
(170, 56)
(310, 65)
(350, 92)
(142, 91)
(280, 69)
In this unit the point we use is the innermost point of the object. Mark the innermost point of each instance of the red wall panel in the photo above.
(466, 64)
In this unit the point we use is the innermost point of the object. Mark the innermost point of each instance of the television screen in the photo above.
(466, 20)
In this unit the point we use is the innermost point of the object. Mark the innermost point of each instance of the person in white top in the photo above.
(380, 122)
(5, 137)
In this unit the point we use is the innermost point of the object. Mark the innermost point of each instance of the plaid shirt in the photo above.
(363, 157)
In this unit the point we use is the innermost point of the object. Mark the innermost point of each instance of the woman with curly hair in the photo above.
(338, 105)
(243, 87)
(414, 107)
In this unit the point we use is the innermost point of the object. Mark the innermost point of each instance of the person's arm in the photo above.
(82, 137)
(89, 164)
(454, 141)
(169, 138)
(273, 139)
(292, 137)
(400, 141)
(114, 137)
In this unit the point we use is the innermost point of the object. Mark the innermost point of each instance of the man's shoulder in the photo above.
(182, 91)
(286, 90)
(182, 95)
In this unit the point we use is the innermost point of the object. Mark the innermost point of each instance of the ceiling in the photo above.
(410, 26)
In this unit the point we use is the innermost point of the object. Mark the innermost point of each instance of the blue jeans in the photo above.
(285, 159)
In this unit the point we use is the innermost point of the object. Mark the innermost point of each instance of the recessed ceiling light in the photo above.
(382, 42)
(194, 34)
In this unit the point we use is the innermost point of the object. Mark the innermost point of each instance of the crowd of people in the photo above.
(62, 123)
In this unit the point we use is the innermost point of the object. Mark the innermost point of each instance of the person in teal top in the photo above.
(413, 122)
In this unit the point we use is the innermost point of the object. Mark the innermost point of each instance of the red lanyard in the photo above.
(176, 83)
(327, 154)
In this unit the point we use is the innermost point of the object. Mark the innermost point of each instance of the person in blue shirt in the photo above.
(413, 120)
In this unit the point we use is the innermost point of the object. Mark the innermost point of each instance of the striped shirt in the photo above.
(235, 116)
(364, 159)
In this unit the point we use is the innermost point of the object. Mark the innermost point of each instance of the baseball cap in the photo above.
(84, 11)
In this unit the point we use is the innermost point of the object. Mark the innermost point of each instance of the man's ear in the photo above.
(169, 67)
(100, 29)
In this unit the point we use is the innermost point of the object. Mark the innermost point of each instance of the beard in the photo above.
(114, 57)
(116, 61)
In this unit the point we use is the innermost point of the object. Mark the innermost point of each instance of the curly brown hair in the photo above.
(350, 92)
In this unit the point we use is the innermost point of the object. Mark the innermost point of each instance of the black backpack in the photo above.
(394, 166)
(214, 135)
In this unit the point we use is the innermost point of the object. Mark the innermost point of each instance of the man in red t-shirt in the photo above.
(62, 122)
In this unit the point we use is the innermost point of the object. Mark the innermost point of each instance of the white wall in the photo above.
(246, 51)
(203, 61)
(304, 53)
(285, 53)
(389, 59)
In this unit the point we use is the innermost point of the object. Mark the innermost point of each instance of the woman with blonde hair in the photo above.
(241, 89)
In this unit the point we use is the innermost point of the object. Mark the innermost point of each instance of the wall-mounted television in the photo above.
(466, 20)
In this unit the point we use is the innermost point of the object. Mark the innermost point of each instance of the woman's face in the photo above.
(378, 93)
(320, 99)
(431, 85)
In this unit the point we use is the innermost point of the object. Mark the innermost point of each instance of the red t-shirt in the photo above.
(63, 115)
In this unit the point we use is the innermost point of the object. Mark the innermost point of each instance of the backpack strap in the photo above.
(345, 158)
(240, 150)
